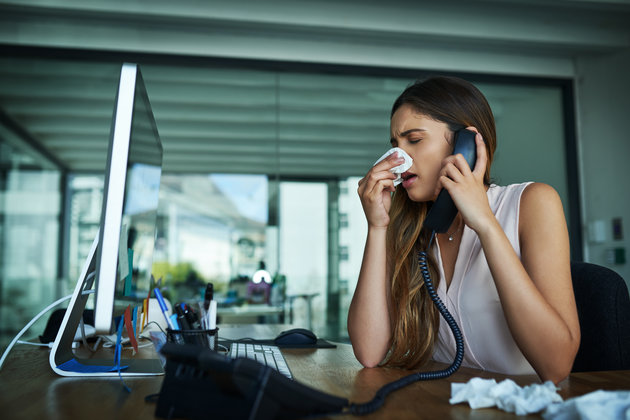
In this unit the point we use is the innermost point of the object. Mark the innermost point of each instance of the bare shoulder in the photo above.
(539, 202)
(538, 191)
(541, 214)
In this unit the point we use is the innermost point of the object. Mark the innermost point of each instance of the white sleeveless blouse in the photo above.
(473, 300)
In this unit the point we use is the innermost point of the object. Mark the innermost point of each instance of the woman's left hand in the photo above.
(466, 186)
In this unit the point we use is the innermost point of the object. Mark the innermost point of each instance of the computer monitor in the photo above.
(120, 259)
(130, 202)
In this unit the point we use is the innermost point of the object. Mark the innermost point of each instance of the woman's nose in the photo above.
(403, 149)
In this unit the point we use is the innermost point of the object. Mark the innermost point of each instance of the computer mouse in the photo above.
(296, 336)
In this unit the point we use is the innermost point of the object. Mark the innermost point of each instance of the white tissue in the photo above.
(400, 169)
(596, 405)
(505, 395)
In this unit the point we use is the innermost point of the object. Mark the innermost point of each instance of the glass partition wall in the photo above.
(260, 172)
(30, 210)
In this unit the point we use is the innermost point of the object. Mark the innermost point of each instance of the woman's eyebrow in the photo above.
(406, 133)
(413, 130)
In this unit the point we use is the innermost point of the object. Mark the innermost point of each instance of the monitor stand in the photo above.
(63, 359)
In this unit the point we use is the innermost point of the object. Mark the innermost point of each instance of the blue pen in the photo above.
(163, 307)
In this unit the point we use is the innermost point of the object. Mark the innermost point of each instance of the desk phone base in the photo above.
(201, 383)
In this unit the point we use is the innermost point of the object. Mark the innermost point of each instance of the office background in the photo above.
(270, 112)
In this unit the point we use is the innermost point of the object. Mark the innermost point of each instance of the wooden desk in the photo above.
(30, 390)
(339, 373)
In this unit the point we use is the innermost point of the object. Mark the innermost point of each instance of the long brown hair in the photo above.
(415, 320)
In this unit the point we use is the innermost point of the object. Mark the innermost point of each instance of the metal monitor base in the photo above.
(62, 347)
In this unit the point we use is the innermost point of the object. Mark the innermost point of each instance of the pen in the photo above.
(176, 325)
(208, 296)
(185, 326)
(191, 317)
(212, 315)
(163, 307)
(181, 319)
(211, 322)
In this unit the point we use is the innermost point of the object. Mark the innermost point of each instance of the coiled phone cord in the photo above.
(379, 398)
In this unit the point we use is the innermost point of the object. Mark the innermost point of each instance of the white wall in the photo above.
(603, 105)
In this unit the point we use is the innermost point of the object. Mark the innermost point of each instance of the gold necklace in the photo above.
(451, 236)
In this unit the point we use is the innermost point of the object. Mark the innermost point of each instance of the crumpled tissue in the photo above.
(400, 169)
(596, 405)
(505, 395)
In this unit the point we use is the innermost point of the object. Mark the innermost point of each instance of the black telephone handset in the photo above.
(443, 211)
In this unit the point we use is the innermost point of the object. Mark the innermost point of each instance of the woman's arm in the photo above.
(368, 316)
(536, 291)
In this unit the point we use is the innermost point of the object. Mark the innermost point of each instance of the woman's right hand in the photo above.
(375, 190)
(369, 326)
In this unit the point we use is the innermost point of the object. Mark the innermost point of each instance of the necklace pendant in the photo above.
(450, 238)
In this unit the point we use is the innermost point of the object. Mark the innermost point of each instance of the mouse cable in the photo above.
(379, 398)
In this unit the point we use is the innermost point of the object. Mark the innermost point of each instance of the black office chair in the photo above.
(603, 306)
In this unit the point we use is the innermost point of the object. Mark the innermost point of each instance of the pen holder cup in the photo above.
(206, 338)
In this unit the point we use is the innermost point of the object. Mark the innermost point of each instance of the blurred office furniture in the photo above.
(250, 314)
(308, 297)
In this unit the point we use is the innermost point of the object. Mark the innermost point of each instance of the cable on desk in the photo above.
(32, 321)
(379, 398)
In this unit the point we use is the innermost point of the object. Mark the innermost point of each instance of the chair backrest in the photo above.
(603, 306)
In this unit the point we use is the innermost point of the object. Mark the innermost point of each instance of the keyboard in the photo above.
(267, 355)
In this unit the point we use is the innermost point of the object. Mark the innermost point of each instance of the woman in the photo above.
(502, 269)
